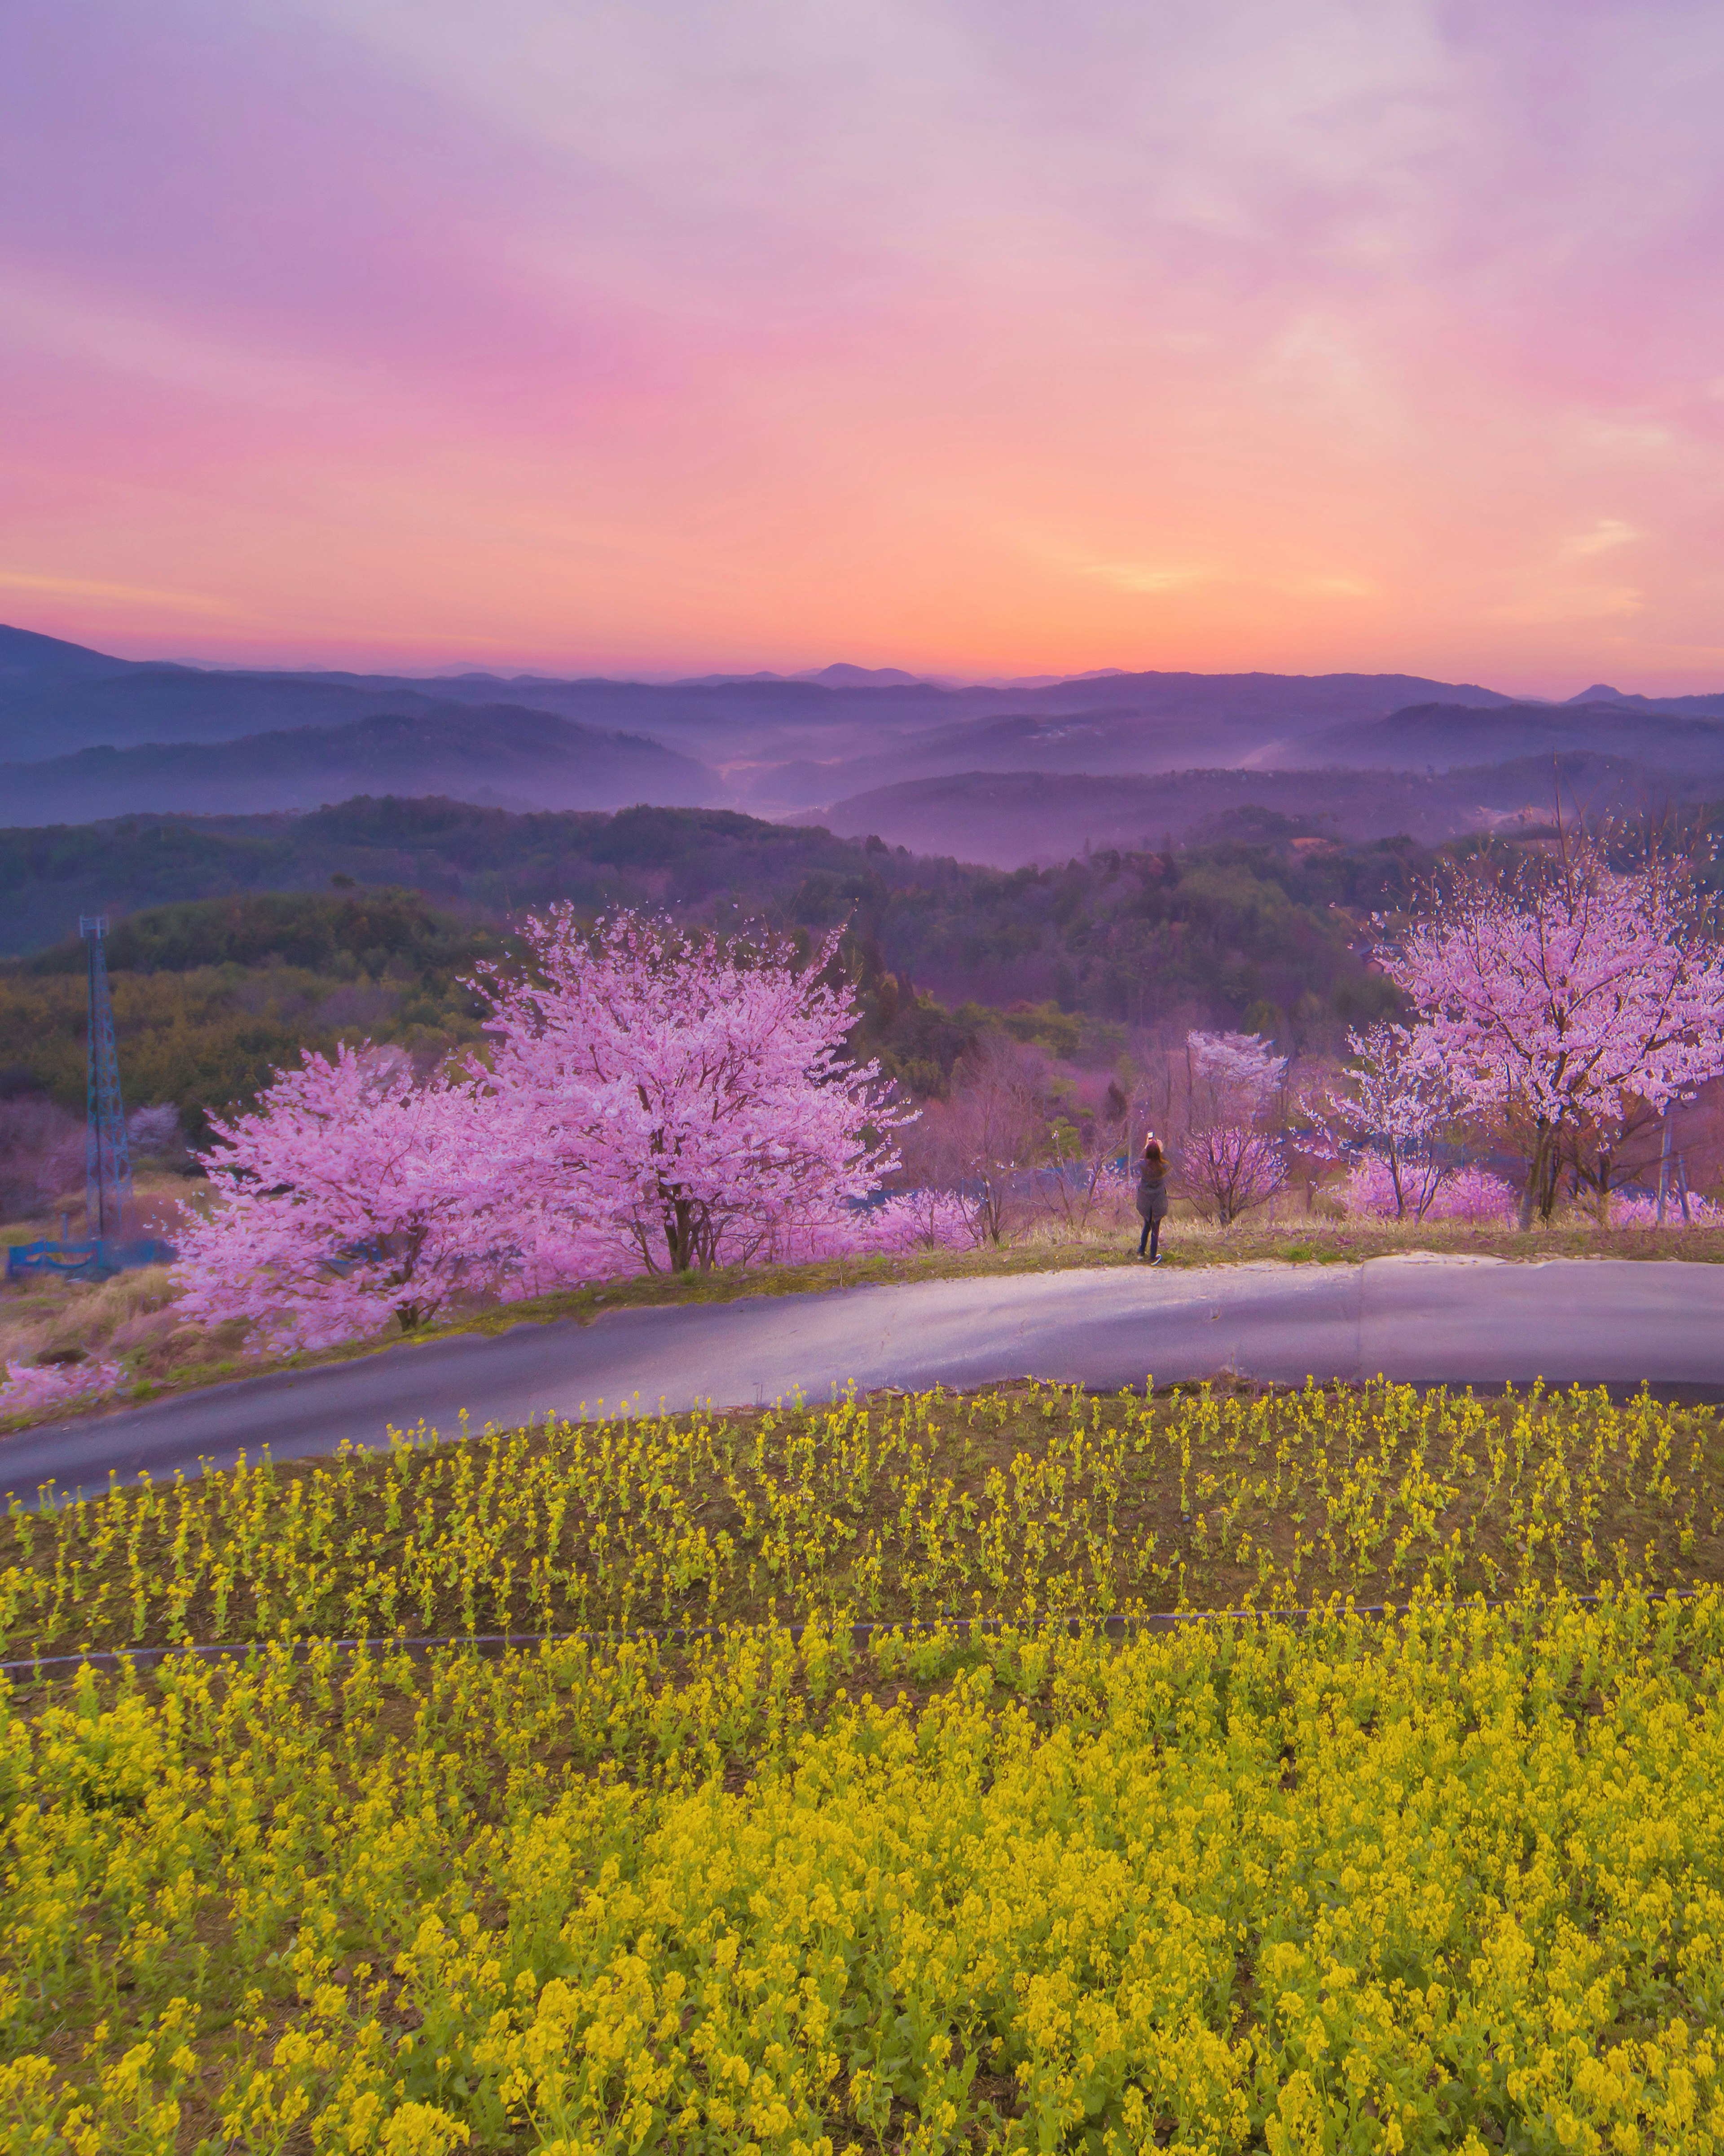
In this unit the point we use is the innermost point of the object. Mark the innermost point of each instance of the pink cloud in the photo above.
(957, 335)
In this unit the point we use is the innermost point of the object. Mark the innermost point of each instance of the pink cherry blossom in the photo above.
(1399, 1099)
(1556, 998)
(677, 1103)
(350, 1196)
(1227, 1163)
(1231, 1077)
(34, 1388)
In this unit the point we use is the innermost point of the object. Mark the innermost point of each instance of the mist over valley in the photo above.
(995, 774)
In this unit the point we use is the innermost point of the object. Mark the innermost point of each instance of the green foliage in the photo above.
(211, 997)
(1226, 930)
(488, 862)
(1120, 936)
(347, 937)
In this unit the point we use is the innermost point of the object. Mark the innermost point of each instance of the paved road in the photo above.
(1465, 1321)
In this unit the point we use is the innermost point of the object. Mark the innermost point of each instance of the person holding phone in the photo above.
(1152, 1198)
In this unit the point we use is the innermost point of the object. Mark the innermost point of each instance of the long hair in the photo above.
(1152, 1153)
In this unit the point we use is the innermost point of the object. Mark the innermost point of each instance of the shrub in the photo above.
(36, 1387)
(1471, 1195)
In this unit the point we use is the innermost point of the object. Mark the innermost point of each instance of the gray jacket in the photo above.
(1152, 1190)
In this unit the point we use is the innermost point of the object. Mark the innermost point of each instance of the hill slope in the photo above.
(1442, 735)
(496, 753)
(1009, 818)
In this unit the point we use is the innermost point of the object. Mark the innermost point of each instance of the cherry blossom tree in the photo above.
(350, 1196)
(685, 1103)
(982, 1144)
(1230, 1077)
(1401, 1098)
(1562, 994)
(1228, 1168)
(1228, 1161)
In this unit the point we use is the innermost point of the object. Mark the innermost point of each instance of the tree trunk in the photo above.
(1533, 1193)
(680, 1233)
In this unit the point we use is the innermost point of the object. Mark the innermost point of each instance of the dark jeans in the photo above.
(1151, 1236)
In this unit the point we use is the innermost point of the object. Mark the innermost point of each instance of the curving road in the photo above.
(1477, 1321)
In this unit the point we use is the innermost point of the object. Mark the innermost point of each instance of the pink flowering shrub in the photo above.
(1637, 1209)
(1474, 1195)
(32, 1387)
(1369, 1193)
(1471, 1195)
(907, 1220)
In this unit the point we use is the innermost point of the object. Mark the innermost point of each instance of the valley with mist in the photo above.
(997, 773)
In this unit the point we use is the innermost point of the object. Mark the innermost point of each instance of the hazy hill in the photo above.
(1008, 817)
(495, 752)
(83, 736)
(486, 863)
(1601, 692)
(1440, 736)
(164, 704)
(1097, 740)
(29, 661)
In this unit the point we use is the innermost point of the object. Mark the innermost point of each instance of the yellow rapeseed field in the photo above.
(1026, 1500)
(1454, 1881)
(1449, 1879)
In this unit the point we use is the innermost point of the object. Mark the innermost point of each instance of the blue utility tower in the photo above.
(107, 1158)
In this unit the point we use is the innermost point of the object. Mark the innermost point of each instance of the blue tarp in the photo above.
(94, 1261)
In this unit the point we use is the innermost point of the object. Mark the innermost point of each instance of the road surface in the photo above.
(1478, 1320)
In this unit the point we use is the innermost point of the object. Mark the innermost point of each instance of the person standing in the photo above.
(1152, 1197)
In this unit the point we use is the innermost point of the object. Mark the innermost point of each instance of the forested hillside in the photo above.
(212, 992)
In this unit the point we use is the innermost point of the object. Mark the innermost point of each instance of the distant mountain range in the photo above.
(970, 770)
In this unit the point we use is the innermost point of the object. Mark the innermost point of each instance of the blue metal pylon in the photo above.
(107, 1158)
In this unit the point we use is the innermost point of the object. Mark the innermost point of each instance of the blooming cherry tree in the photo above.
(1559, 997)
(1227, 1164)
(1231, 1077)
(1401, 1097)
(349, 1196)
(686, 1104)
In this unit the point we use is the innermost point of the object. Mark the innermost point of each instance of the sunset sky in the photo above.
(971, 335)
